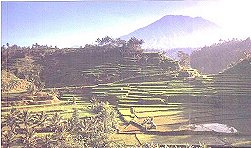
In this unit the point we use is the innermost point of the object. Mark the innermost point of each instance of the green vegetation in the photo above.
(220, 56)
(11, 83)
(29, 129)
(243, 67)
(107, 61)
(129, 90)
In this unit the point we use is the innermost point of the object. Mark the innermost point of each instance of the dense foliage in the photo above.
(220, 56)
(26, 129)
(78, 66)
(11, 83)
(243, 67)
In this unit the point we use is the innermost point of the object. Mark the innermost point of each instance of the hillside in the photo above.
(12, 84)
(108, 61)
(241, 68)
(78, 69)
(138, 86)
(176, 31)
(220, 56)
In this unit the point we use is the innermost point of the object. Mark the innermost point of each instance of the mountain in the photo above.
(177, 31)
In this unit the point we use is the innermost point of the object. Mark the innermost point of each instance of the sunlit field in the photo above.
(173, 104)
(125, 74)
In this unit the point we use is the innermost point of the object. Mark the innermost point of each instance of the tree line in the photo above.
(32, 63)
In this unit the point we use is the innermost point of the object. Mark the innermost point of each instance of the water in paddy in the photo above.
(221, 99)
(234, 111)
(224, 99)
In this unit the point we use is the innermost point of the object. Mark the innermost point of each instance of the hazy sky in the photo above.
(77, 23)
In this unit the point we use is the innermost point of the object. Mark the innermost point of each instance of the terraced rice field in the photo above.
(176, 103)
(172, 101)
(65, 108)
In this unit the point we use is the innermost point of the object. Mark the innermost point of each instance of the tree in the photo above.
(8, 138)
(55, 122)
(134, 43)
(3, 47)
(76, 132)
(11, 120)
(46, 141)
(26, 118)
(8, 45)
(184, 59)
(10, 123)
(105, 41)
(40, 119)
(120, 43)
(74, 121)
(29, 138)
(29, 70)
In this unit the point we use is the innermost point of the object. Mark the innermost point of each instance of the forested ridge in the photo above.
(220, 56)
(53, 67)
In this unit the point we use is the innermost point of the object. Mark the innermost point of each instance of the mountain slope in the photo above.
(241, 68)
(219, 56)
(176, 31)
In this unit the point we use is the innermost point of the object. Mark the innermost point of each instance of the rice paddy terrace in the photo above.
(172, 100)
(206, 99)
(175, 102)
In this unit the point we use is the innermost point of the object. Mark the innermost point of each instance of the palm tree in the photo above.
(47, 141)
(40, 119)
(26, 118)
(9, 127)
(73, 124)
(8, 138)
(105, 41)
(55, 122)
(36, 45)
(29, 139)
(60, 136)
(3, 47)
(11, 120)
(8, 45)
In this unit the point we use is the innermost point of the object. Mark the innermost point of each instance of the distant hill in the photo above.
(218, 57)
(176, 31)
(243, 68)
